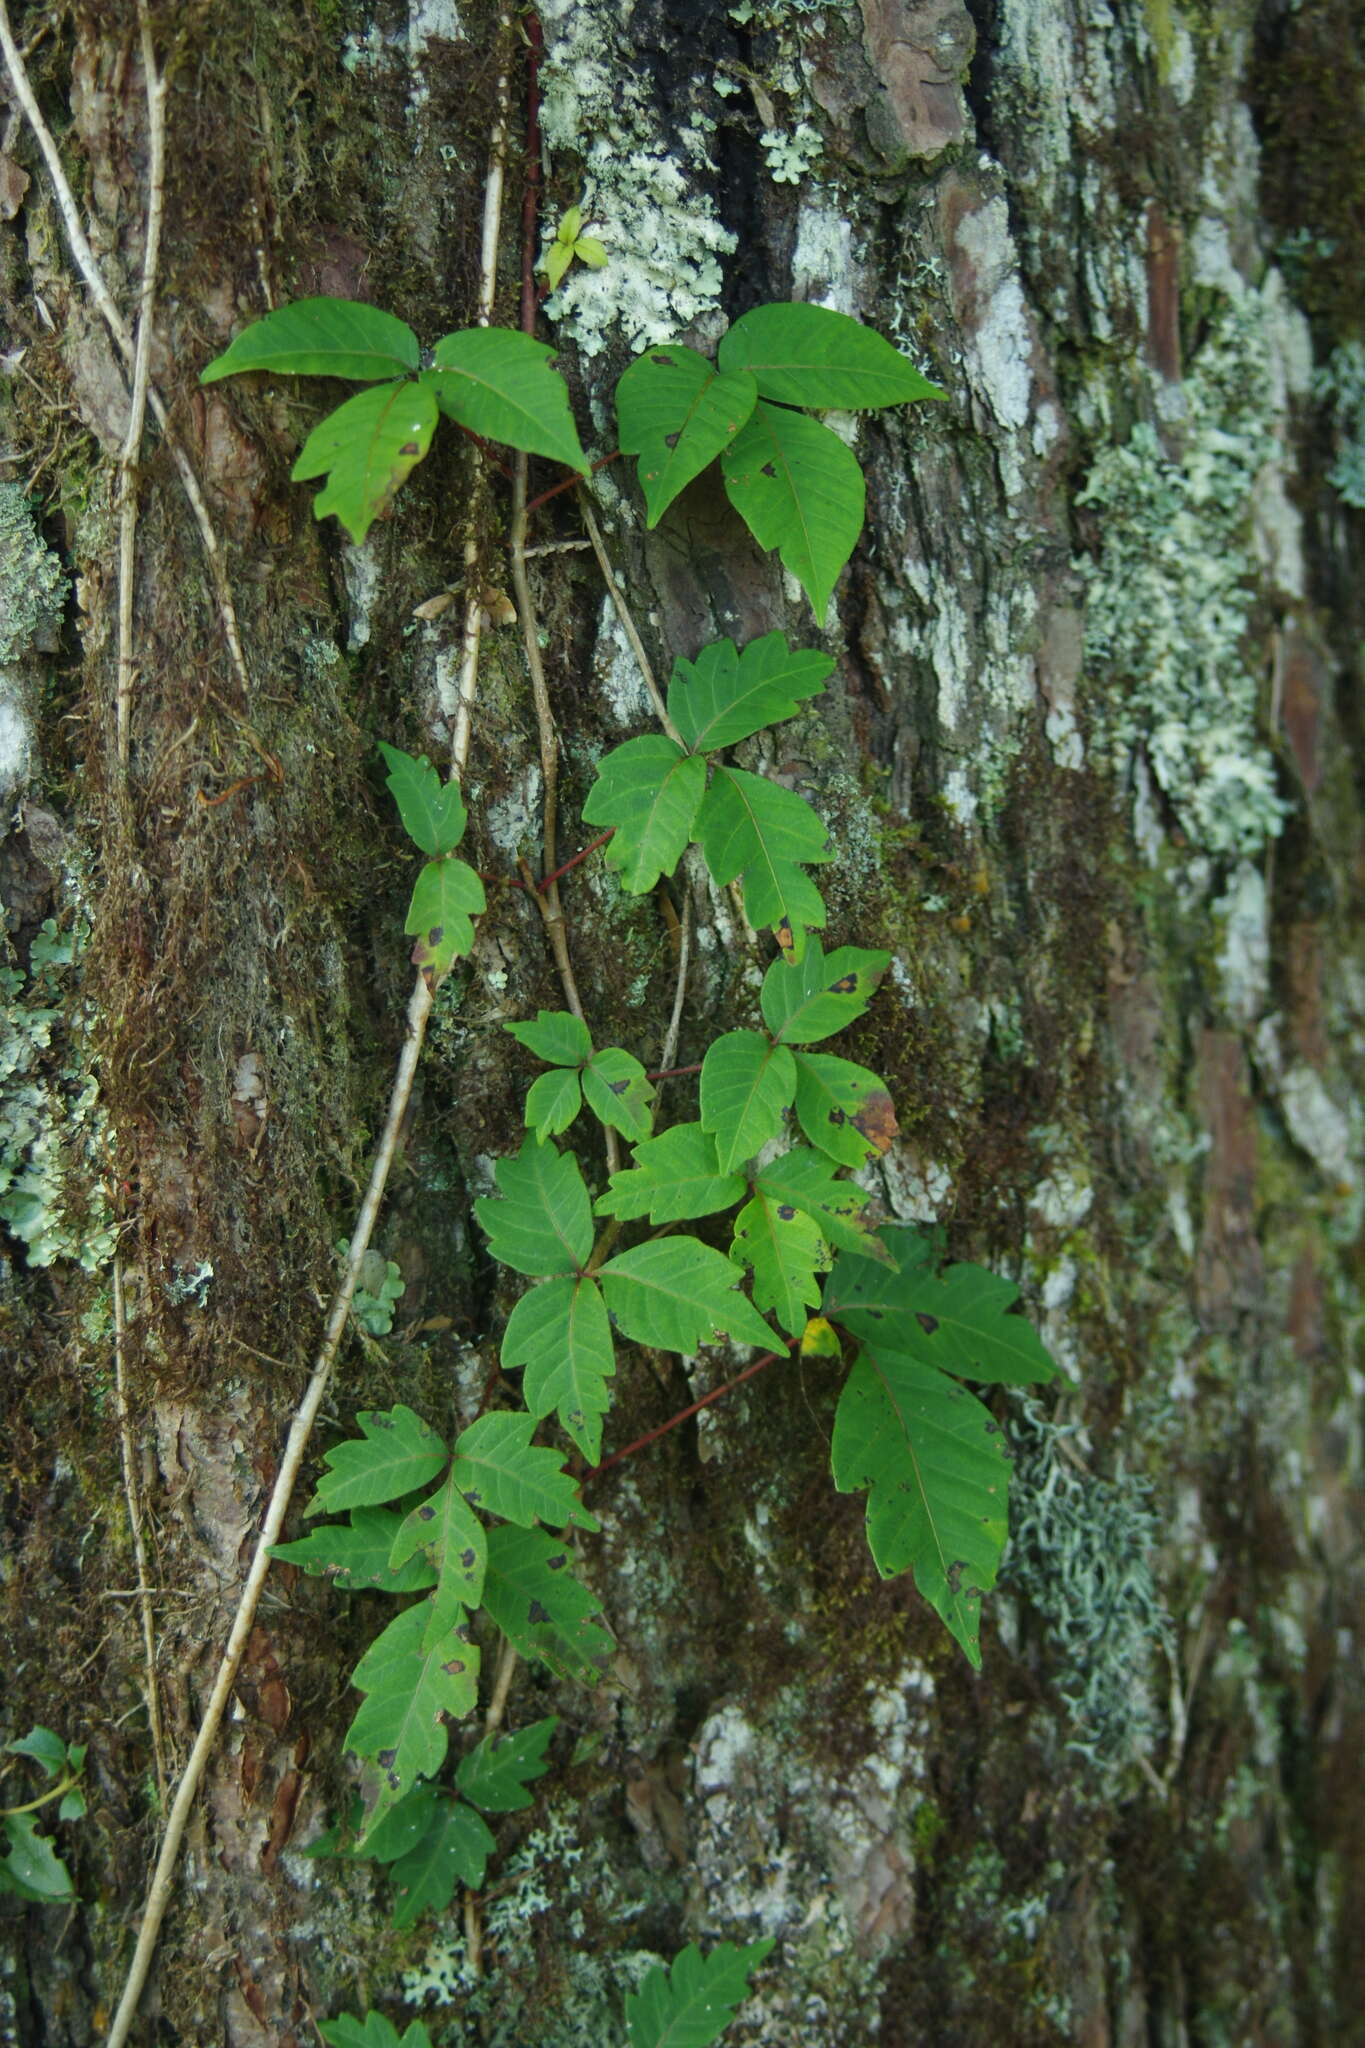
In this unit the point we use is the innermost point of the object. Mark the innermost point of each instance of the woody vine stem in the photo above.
(418, 1013)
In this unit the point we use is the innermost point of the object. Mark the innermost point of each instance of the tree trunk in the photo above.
(1090, 765)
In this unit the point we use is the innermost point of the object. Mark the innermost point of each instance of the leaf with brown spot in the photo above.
(365, 449)
(822, 994)
(411, 1686)
(844, 1109)
(533, 1597)
(676, 413)
(447, 895)
(449, 1536)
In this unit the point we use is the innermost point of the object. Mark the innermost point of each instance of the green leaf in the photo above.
(448, 1536)
(447, 894)
(958, 1320)
(402, 1827)
(813, 356)
(691, 2004)
(500, 1470)
(676, 1176)
(747, 1083)
(432, 811)
(806, 1181)
(495, 1774)
(557, 1037)
(531, 1594)
(618, 1091)
(822, 994)
(725, 696)
(398, 1453)
(453, 1851)
(543, 1225)
(567, 231)
(374, 2031)
(559, 1332)
(322, 338)
(676, 412)
(937, 1473)
(411, 1687)
(786, 1250)
(887, 1287)
(365, 449)
(31, 1868)
(553, 1100)
(675, 1294)
(590, 251)
(355, 1554)
(843, 1108)
(649, 791)
(755, 828)
(46, 1749)
(557, 261)
(504, 386)
(798, 489)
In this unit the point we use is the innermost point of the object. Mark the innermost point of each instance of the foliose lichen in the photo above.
(1174, 590)
(1341, 384)
(32, 592)
(53, 1139)
(1080, 1551)
(644, 193)
(32, 585)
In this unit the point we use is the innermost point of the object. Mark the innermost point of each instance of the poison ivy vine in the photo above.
(784, 1251)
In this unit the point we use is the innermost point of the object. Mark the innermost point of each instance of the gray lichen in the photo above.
(1175, 587)
(32, 591)
(53, 1141)
(1341, 382)
(1080, 1551)
(644, 193)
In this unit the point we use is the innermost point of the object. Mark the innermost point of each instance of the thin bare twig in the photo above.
(547, 894)
(627, 618)
(502, 1685)
(154, 85)
(130, 1495)
(670, 1051)
(89, 269)
(300, 1429)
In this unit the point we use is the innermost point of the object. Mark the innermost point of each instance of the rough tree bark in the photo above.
(1091, 768)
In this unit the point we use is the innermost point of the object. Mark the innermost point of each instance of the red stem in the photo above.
(716, 1394)
(485, 449)
(671, 1073)
(567, 483)
(492, 881)
(591, 847)
(530, 197)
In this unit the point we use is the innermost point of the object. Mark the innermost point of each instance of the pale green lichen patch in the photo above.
(53, 1141)
(1341, 383)
(32, 586)
(1173, 593)
(32, 591)
(1081, 1552)
(644, 192)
